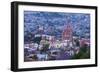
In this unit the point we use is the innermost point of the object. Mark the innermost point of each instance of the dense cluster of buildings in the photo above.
(52, 48)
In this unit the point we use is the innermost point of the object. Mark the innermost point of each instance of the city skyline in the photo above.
(56, 36)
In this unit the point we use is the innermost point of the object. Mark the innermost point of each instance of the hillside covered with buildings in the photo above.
(56, 36)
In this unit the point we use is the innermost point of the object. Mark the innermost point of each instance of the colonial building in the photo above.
(67, 33)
